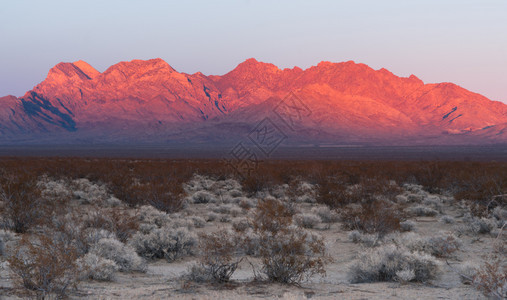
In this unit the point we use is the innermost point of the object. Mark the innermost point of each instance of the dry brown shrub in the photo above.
(379, 217)
(22, 203)
(44, 266)
(289, 253)
(117, 220)
(219, 258)
(474, 181)
(491, 279)
(271, 216)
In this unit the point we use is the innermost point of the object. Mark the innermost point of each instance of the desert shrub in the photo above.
(235, 193)
(401, 199)
(218, 260)
(44, 266)
(474, 225)
(433, 202)
(222, 209)
(271, 216)
(165, 196)
(257, 182)
(123, 255)
(355, 236)
(279, 191)
(124, 225)
(431, 176)
(307, 220)
(246, 203)
(241, 224)
(198, 273)
(447, 219)
(198, 183)
(500, 214)
(95, 267)
(368, 240)
(405, 276)
(236, 211)
(422, 211)
(164, 242)
(379, 217)
(223, 218)
(301, 191)
(415, 198)
(5, 236)
(2, 245)
(203, 197)
(289, 254)
(443, 244)
(147, 183)
(292, 255)
(53, 189)
(407, 225)
(249, 242)
(178, 221)
(337, 192)
(150, 215)
(23, 206)
(116, 220)
(88, 192)
(91, 236)
(199, 222)
(491, 279)
(384, 262)
(326, 214)
(480, 187)
(212, 216)
(467, 272)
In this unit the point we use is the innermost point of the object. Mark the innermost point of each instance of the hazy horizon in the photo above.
(461, 42)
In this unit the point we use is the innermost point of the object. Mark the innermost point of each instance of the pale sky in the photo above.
(464, 42)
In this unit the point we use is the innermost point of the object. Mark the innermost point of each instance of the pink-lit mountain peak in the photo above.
(348, 100)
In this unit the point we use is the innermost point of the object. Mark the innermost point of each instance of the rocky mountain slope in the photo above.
(331, 103)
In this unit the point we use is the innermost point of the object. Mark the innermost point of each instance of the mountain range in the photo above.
(147, 101)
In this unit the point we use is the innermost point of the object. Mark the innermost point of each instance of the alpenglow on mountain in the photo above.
(150, 102)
